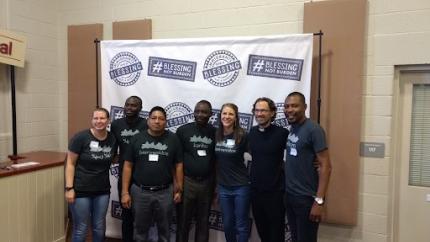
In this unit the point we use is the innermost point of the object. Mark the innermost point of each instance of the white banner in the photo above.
(177, 73)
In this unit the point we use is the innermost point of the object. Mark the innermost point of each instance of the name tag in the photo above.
(230, 142)
(153, 157)
(293, 152)
(94, 144)
(201, 152)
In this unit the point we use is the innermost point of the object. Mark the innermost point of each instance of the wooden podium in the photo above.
(32, 205)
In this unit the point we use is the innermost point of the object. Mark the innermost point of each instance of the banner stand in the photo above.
(319, 34)
(97, 46)
(218, 69)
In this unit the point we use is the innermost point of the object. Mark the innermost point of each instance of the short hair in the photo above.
(158, 108)
(270, 102)
(139, 100)
(298, 94)
(101, 110)
(205, 102)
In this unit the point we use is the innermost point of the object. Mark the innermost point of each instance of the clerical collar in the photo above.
(264, 129)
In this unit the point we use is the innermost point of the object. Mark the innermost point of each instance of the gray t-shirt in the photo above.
(304, 142)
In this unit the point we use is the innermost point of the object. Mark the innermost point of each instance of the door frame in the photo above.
(396, 148)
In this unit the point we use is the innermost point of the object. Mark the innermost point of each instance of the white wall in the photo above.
(398, 32)
(37, 85)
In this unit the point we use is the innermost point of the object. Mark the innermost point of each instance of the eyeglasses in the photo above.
(261, 110)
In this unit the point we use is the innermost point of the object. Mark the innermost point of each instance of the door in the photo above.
(412, 166)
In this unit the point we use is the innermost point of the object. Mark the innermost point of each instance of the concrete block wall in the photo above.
(37, 85)
(398, 33)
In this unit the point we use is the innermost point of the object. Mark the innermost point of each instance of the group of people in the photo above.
(161, 171)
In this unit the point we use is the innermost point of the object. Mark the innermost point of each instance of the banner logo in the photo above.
(280, 118)
(215, 221)
(125, 69)
(178, 114)
(221, 68)
(275, 67)
(172, 69)
(116, 210)
(114, 170)
(118, 112)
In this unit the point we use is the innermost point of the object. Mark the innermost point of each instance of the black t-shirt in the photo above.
(304, 142)
(154, 158)
(198, 145)
(124, 131)
(267, 151)
(93, 163)
(231, 169)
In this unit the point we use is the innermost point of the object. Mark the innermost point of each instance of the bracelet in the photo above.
(125, 193)
(68, 188)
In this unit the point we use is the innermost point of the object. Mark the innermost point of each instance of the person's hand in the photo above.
(177, 197)
(70, 196)
(316, 213)
(126, 200)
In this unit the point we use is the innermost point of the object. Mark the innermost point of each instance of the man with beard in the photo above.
(198, 141)
(124, 129)
(306, 184)
(267, 145)
(153, 162)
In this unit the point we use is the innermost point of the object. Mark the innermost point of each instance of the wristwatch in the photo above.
(68, 188)
(319, 200)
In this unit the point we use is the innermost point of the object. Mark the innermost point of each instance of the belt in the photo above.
(153, 188)
(198, 178)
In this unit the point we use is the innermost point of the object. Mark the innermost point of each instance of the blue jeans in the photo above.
(84, 209)
(235, 202)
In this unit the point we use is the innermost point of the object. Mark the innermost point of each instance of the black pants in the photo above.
(269, 215)
(196, 200)
(126, 216)
(298, 210)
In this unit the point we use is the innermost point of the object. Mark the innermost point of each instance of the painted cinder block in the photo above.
(377, 105)
(376, 125)
(374, 204)
(375, 184)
